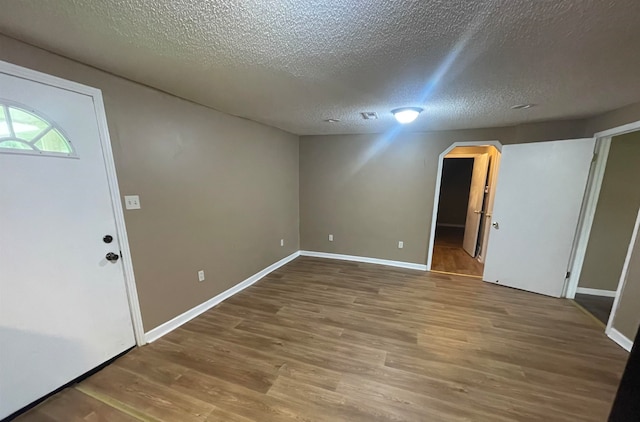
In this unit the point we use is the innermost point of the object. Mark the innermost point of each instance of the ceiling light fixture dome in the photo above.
(406, 115)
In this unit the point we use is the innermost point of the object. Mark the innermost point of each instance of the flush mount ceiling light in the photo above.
(522, 106)
(406, 114)
(332, 120)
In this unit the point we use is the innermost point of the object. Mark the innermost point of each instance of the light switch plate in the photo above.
(400, 244)
(132, 202)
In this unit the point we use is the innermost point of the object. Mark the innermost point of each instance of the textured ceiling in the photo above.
(293, 63)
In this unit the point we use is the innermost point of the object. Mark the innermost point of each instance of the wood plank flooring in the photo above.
(448, 255)
(324, 340)
(598, 306)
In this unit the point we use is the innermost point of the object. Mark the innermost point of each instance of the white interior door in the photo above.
(537, 204)
(63, 305)
(474, 207)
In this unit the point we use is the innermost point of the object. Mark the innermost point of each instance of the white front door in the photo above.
(475, 204)
(63, 305)
(535, 215)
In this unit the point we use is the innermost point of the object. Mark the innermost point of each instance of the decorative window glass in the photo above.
(24, 131)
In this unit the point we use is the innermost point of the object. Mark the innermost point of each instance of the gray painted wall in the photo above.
(371, 191)
(217, 192)
(225, 189)
(627, 318)
(615, 215)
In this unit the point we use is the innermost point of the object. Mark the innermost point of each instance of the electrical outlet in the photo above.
(132, 202)
(330, 238)
(400, 244)
(281, 242)
(201, 275)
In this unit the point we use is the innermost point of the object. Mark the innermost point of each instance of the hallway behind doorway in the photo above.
(464, 203)
(448, 255)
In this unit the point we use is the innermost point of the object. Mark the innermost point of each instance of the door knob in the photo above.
(495, 225)
(113, 257)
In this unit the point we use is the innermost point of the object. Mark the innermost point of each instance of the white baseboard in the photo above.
(596, 292)
(174, 323)
(401, 264)
(620, 338)
(459, 226)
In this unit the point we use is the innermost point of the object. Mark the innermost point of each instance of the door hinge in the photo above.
(568, 275)
(595, 158)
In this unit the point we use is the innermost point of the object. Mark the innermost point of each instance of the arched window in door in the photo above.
(27, 132)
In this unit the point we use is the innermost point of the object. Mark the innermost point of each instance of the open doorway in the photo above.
(612, 227)
(463, 205)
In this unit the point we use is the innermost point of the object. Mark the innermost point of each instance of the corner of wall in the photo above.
(611, 119)
(550, 130)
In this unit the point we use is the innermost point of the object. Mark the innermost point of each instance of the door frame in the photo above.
(590, 202)
(105, 142)
(474, 155)
(436, 198)
(610, 331)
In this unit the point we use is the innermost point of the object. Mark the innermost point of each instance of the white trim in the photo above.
(603, 144)
(610, 330)
(619, 130)
(34, 75)
(457, 226)
(592, 194)
(187, 316)
(121, 228)
(465, 154)
(436, 199)
(596, 292)
(174, 323)
(587, 215)
(96, 95)
(620, 338)
(400, 264)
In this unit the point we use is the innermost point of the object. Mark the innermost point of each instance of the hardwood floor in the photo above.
(448, 255)
(324, 340)
(598, 306)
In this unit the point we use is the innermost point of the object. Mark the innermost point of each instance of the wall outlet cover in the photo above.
(201, 275)
(132, 202)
